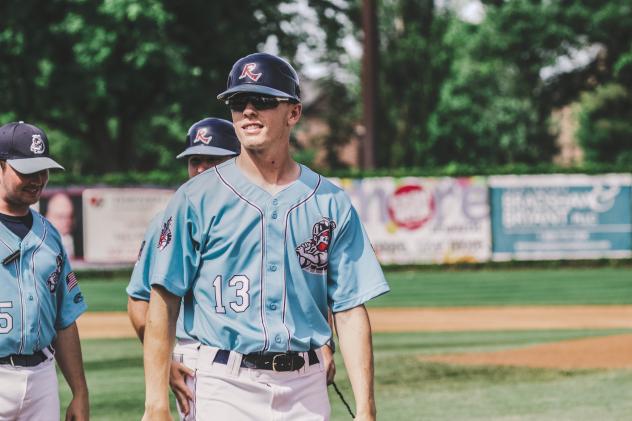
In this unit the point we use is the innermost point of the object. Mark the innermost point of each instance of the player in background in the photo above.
(259, 247)
(208, 142)
(40, 298)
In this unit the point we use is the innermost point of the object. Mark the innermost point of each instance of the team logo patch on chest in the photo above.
(313, 254)
(165, 234)
(53, 278)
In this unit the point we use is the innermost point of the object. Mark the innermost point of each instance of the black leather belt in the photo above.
(23, 360)
(276, 361)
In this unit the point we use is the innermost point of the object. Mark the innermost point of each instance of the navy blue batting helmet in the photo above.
(265, 74)
(212, 136)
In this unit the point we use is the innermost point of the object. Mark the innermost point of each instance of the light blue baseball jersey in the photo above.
(264, 268)
(39, 293)
(138, 286)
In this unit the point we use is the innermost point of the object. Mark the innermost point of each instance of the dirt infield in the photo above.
(605, 352)
(500, 318)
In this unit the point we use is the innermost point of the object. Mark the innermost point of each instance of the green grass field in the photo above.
(456, 288)
(409, 389)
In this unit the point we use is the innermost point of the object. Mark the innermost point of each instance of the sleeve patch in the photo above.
(71, 281)
(165, 234)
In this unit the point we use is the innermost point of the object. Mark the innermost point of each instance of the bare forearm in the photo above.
(158, 343)
(70, 361)
(137, 312)
(354, 337)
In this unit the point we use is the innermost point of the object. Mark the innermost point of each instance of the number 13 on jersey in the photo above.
(240, 284)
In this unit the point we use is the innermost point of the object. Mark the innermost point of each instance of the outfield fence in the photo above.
(409, 220)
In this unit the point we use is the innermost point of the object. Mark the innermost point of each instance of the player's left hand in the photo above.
(178, 382)
(78, 409)
(330, 365)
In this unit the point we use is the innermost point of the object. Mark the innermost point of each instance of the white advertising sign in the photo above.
(424, 220)
(115, 220)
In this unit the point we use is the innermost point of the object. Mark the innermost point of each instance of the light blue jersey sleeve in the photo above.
(69, 296)
(177, 248)
(355, 275)
(138, 286)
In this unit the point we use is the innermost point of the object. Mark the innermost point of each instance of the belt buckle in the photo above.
(11, 360)
(275, 362)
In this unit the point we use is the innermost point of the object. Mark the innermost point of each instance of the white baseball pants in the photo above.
(29, 393)
(230, 392)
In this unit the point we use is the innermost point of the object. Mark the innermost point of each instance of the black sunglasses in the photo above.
(239, 103)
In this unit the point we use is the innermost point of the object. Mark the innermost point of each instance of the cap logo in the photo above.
(37, 144)
(249, 73)
(201, 136)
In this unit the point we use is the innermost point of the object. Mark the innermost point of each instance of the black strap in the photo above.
(276, 361)
(22, 360)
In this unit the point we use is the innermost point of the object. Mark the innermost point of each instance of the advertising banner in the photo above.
(416, 220)
(115, 220)
(546, 217)
(62, 207)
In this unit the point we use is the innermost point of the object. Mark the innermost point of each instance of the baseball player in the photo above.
(259, 246)
(40, 298)
(209, 142)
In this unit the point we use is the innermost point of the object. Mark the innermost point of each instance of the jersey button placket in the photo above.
(275, 281)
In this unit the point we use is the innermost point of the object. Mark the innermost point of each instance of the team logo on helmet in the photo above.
(37, 144)
(165, 234)
(249, 73)
(53, 278)
(201, 136)
(313, 254)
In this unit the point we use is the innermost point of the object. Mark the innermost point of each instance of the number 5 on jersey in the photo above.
(242, 284)
(6, 321)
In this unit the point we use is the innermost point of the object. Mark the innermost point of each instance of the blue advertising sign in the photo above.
(548, 217)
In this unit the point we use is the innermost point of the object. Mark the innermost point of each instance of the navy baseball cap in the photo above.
(25, 147)
(212, 136)
(262, 73)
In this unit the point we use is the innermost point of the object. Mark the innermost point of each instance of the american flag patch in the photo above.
(71, 281)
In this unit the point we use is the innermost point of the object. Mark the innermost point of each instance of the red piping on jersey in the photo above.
(263, 244)
(287, 215)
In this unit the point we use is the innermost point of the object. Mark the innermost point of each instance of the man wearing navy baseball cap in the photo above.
(25, 147)
(40, 298)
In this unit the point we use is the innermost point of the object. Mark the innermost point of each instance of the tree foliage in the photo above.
(413, 64)
(605, 124)
(117, 82)
(453, 91)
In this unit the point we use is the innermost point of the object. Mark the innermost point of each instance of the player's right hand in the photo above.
(177, 380)
(328, 362)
